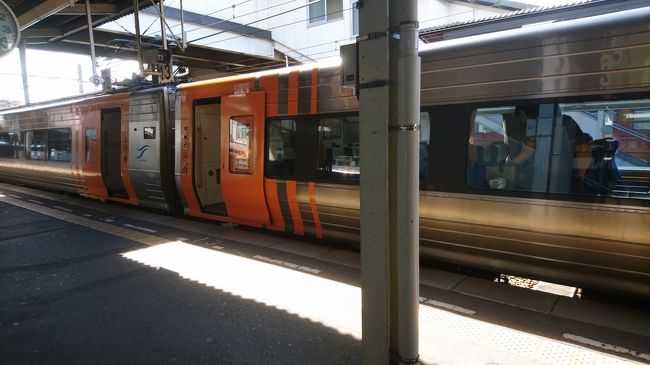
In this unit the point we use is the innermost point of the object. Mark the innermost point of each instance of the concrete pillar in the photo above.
(389, 137)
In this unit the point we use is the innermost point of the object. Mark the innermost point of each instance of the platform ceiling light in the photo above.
(9, 29)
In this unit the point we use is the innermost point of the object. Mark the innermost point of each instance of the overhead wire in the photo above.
(249, 23)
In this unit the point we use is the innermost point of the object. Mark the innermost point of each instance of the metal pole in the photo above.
(90, 37)
(138, 41)
(23, 67)
(183, 35)
(163, 34)
(406, 132)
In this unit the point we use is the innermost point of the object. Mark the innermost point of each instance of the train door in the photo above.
(207, 154)
(242, 158)
(111, 125)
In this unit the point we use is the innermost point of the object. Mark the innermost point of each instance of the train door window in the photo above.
(91, 137)
(281, 144)
(241, 150)
(36, 145)
(59, 145)
(338, 148)
(8, 145)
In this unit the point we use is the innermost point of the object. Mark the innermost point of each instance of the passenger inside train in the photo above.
(519, 128)
(598, 148)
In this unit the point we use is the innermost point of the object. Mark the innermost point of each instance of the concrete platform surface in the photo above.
(86, 282)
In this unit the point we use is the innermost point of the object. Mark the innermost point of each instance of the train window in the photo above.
(36, 143)
(609, 146)
(570, 148)
(338, 148)
(91, 136)
(8, 143)
(59, 145)
(149, 132)
(242, 152)
(281, 144)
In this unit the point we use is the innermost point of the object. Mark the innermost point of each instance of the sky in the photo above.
(53, 75)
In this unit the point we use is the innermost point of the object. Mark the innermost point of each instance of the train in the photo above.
(534, 151)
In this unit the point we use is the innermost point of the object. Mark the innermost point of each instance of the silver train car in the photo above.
(107, 147)
(534, 151)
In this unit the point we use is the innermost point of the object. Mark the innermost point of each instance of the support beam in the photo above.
(81, 24)
(92, 41)
(96, 9)
(40, 33)
(42, 11)
(23, 69)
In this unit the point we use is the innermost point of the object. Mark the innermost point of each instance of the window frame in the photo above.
(327, 18)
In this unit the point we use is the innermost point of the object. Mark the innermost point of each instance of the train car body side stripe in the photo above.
(277, 219)
(314, 210)
(284, 206)
(298, 226)
(269, 84)
(304, 91)
(314, 91)
(283, 94)
(302, 195)
(292, 105)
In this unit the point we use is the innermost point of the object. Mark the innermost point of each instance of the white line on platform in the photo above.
(181, 239)
(14, 196)
(35, 201)
(452, 307)
(140, 228)
(604, 346)
(87, 215)
(287, 264)
(62, 208)
(201, 239)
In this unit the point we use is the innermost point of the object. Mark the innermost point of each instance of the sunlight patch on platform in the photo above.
(445, 337)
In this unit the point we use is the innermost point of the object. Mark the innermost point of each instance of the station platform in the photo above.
(87, 282)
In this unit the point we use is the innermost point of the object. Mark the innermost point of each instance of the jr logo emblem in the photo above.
(141, 151)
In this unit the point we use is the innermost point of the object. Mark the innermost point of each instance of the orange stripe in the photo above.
(298, 226)
(314, 91)
(269, 84)
(314, 210)
(292, 105)
(271, 192)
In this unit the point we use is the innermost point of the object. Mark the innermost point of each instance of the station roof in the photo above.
(62, 26)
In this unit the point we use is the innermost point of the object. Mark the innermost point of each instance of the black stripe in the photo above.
(305, 208)
(257, 83)
(283, 94)
(284, 206)
(304, 92)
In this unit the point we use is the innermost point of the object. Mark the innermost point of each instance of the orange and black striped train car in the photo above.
(533, 151)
